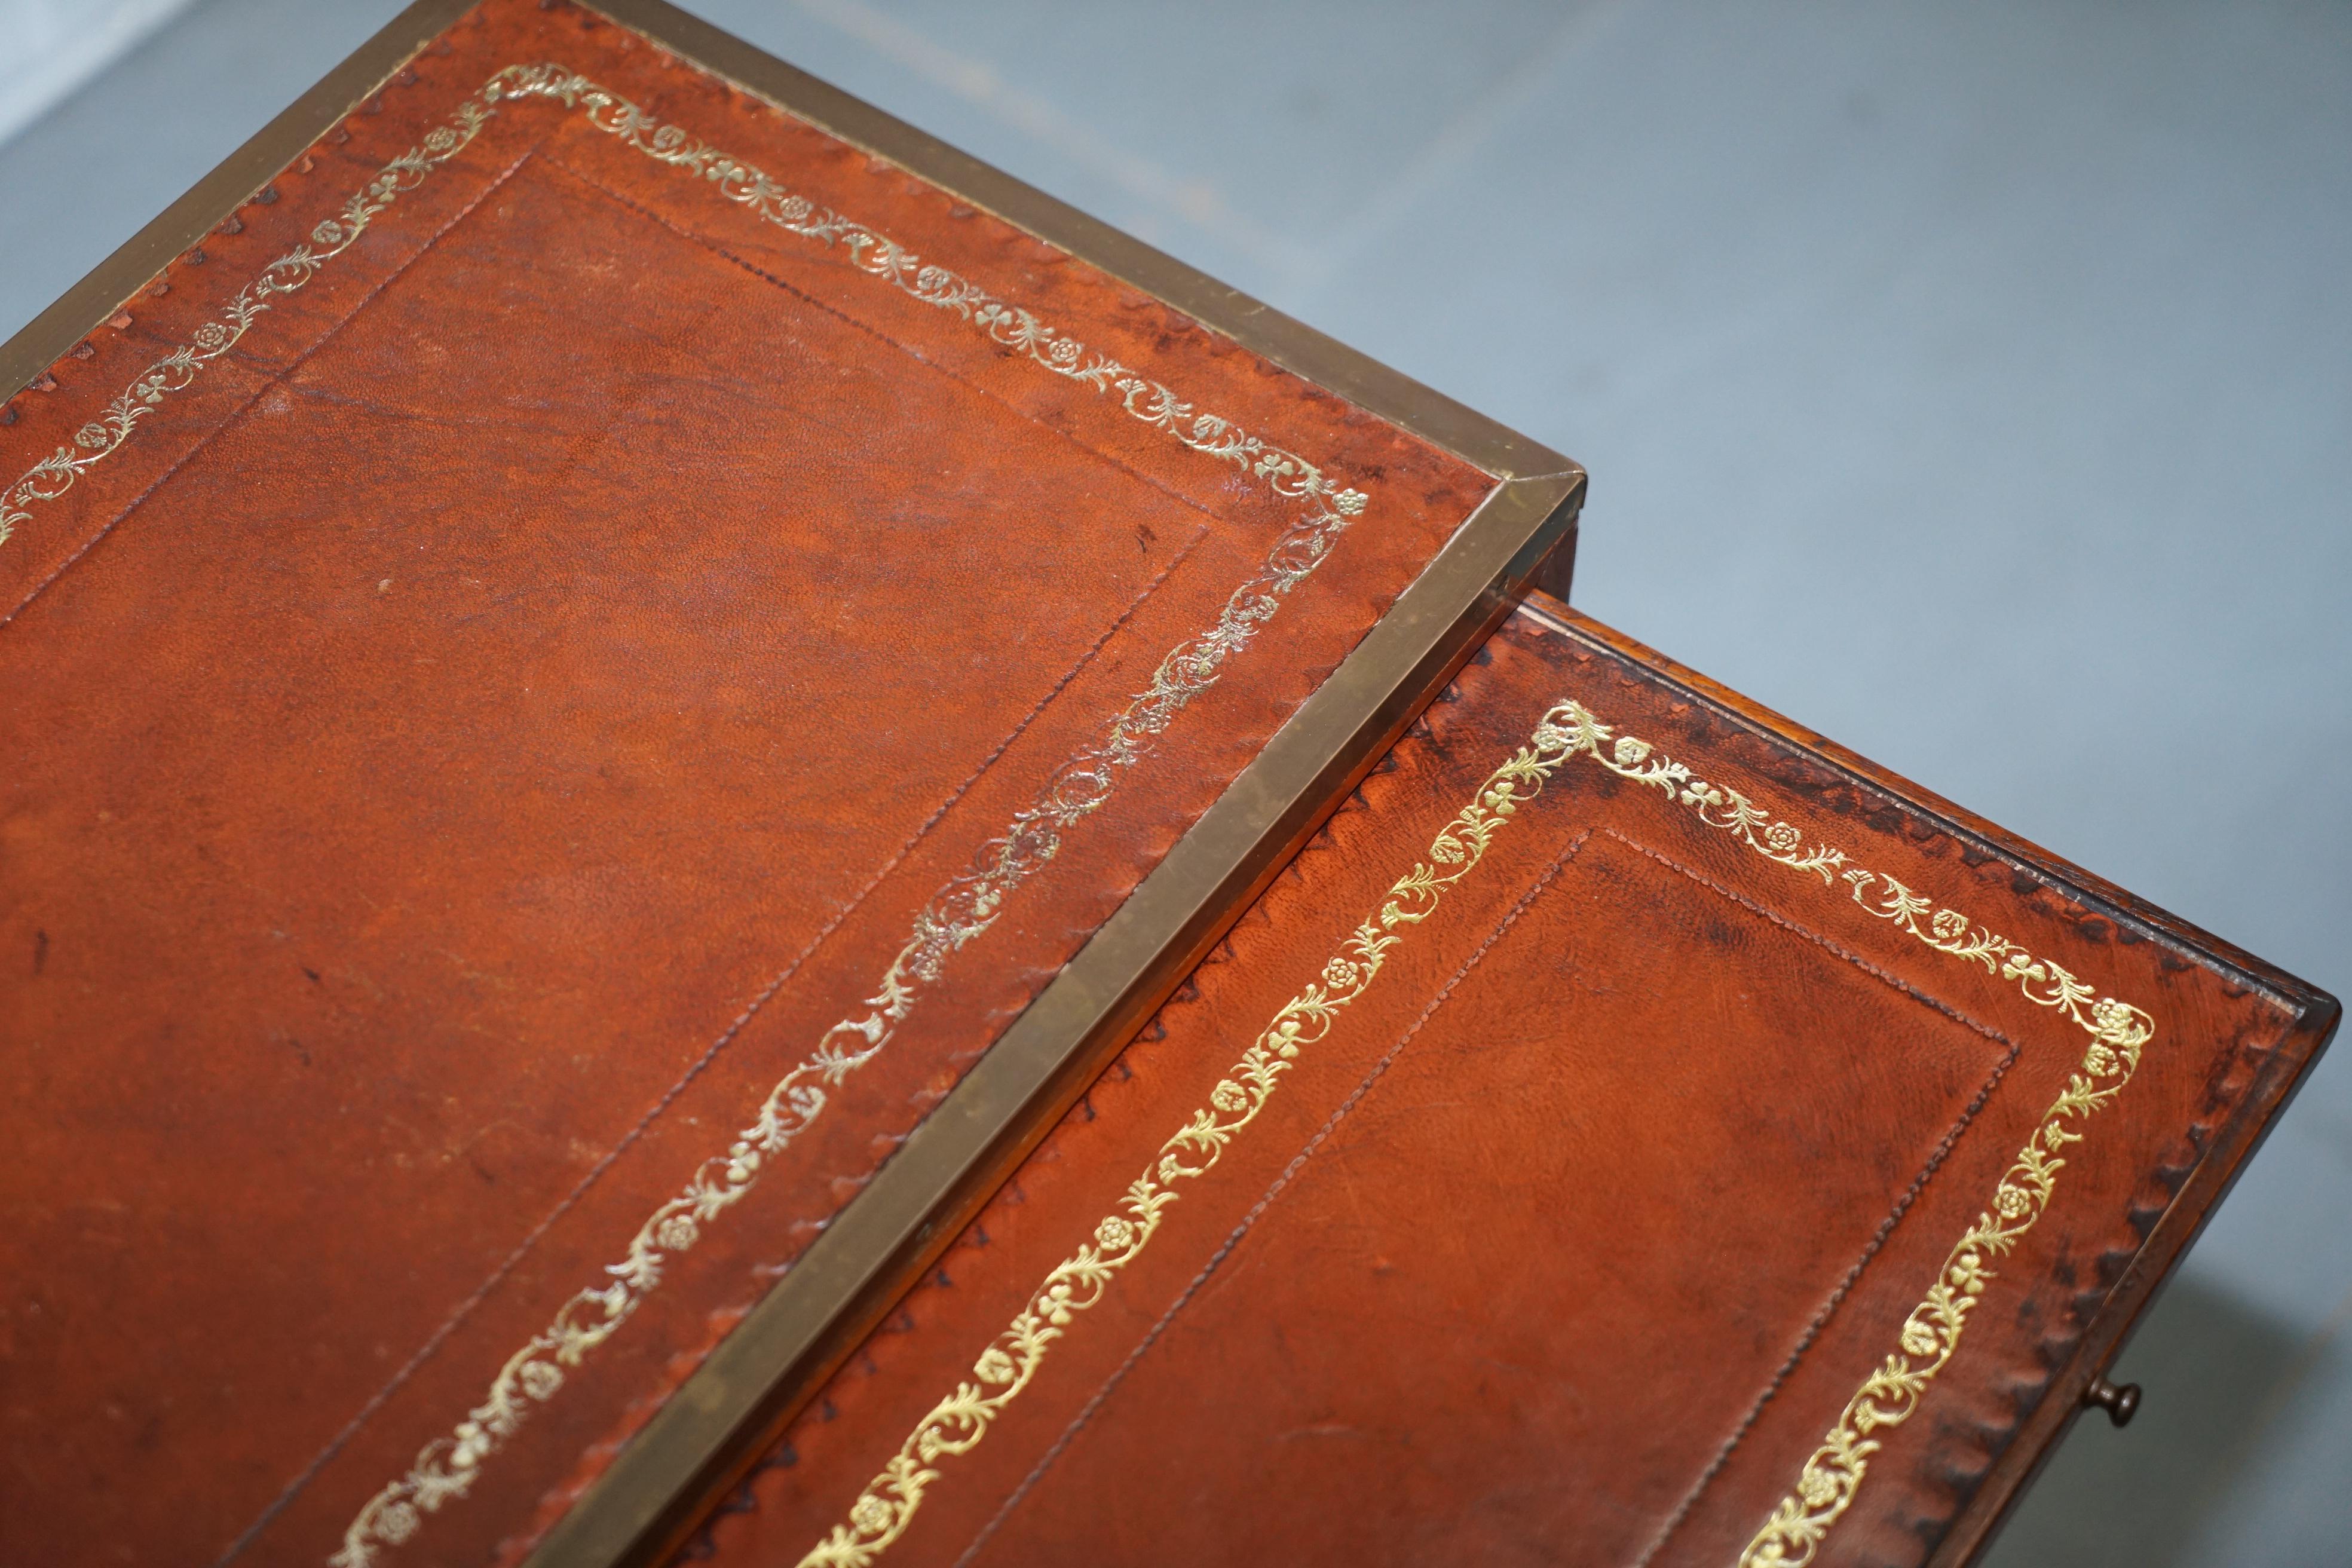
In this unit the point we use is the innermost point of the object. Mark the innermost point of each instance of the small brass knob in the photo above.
(2120, 1402)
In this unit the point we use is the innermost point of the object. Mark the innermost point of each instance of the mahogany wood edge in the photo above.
(2310, 1016)
(669, 1475)
(103, 290)
(1992, 1501)
(2183, 937)
(1297, 347)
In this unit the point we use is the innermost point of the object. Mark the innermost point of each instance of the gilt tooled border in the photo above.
(956, 1426)
(969, 903)
(1007, 325)
(1833, 1473)
(961, 910)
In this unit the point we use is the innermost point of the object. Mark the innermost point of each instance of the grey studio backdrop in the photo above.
(1973, 383)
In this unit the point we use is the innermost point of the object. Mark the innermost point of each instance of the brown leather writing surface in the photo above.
(568, 668)
(1633, 1131)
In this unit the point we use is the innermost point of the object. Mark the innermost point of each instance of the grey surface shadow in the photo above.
(2214, 1371)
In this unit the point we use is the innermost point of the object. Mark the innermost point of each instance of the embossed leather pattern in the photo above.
(1626, 1095)
(586, 600)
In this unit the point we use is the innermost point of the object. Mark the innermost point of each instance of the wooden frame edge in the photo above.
(2311, 1018)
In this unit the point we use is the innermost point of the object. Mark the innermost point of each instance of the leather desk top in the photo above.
(568, 668)
(1633, 1131)
(576, 663)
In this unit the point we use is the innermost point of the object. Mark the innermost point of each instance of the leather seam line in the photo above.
(1826, 943)
(1249, 1220)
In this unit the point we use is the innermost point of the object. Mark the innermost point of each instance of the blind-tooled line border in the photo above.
(1290, 1172)
(2010, 1050)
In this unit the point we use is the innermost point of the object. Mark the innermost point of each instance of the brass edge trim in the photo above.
(1297, 347)
(448, 1466)
(1525, 525)
(957, 1424)
(756, 1378)
(82, 308)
